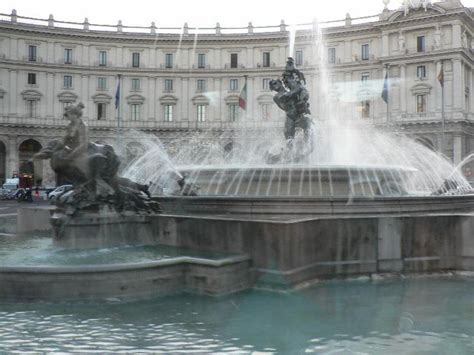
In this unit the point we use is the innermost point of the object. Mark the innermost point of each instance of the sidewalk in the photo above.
(11, 207)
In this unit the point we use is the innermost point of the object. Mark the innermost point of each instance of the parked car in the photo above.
(4, 193)
(59, 191)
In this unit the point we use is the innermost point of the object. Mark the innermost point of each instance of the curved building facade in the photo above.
(173, 84)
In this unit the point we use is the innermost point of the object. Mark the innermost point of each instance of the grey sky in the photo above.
(204, 13)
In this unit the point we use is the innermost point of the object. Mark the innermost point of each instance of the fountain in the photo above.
(286, 210)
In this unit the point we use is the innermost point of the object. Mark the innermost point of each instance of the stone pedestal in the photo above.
(101, 230)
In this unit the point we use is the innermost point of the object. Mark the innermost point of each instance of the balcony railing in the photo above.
(185, 30)
(141, 124)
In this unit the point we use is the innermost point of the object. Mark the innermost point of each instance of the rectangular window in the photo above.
(168, 85)
(31, 78)
(233, 112)
(101, 111)
(201, 60)
(266, 84)
(331, 55)
(102, 58)
(67, 56)
(420, 103)
(102, 83)
(31, 108)
(421, 72)
(365, 109)
(32, 53)
(234, 60)
(67, 81)
(299, 58)
(201, 85)
(135, 60)
(365, 52)
(365, 78)
(135, 84)
(169, 60)
(135, 112)
(201, 112)
(266, 59)
(420, 43)
(168, 113)
(265, 112)
(234, 84)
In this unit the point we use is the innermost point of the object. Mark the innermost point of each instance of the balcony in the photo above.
(25, 58)
(111, 123)
(206, 66)
(102, 64)
(228, 66)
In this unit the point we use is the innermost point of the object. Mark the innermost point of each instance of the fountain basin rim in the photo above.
(316, 198)
(50, 269)
(296, 166)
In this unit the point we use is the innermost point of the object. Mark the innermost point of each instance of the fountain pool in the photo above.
(360, 316)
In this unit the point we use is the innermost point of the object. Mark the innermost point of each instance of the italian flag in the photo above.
(243, 97)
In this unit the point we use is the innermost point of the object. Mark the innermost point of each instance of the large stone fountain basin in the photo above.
(299, 180)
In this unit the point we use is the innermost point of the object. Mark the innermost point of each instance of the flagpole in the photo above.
(442, 112)
(118, 107)
(388, 98)
(246, 97)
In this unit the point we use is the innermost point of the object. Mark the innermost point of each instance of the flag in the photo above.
(385, 89)
(243, 97)
(117, 95)
(441, 77)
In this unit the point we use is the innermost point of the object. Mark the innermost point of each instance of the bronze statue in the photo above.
(92, 169)
(292, 97)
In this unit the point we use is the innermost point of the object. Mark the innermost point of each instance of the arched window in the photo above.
(30, 172)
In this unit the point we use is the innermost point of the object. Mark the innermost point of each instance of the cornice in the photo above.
(143, 38)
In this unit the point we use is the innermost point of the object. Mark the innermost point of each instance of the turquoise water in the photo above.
(410, 316)
(39, 251)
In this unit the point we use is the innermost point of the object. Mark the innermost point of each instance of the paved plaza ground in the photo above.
(9, 207)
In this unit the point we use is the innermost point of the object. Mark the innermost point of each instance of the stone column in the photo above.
(151, 99)
(50, 102)
(14, 49)
(251, 105)
(152, 62)
(385, 45)
(85, 55)
(249, 63)
(457, 36)
(50, 57)
(438, 89)
(281, 58)
(458, 85)
(12, 163)
(457, 149)
(119, 58)
(186, 106)
(403, 89)
(49, 176)
(221, 96)
(13, 94)
(88, 109)
(349, 112)
(347, 52)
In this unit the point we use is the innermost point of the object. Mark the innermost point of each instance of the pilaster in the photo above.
(87, 111)
(458, 85)
(403, 89)
(186, 107)
(49, 98)
(151, 99)
(13, 93)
